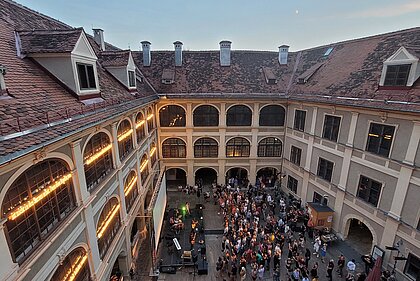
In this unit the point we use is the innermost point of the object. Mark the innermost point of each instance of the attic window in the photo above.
(87, 79)
(2, 83)
(168, 76)
(270, 78)
(397, 75)
(131, 79)
(328, 51)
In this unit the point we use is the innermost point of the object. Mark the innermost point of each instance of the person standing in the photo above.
(276, 274)
(314, 272)
(307, 257)
(242, 274)
(330, 268)
(351, 267)
(323, 252)
(261, 271)
(340, 264)
(317, 245)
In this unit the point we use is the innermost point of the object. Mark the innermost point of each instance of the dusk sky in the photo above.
(257, 25)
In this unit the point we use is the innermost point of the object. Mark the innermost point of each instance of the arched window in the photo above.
(75, 265)
(153, 153)
(272, 115)
(270, 147)
(172, 116)
(174, 148)
(150, 120)
(239, 115)
(206, 147)
(97, 159)
(237, 147)
(35, 204)
(108, 225)
(144, 169)
(125, 141)
(206, 116)
(140, 127)
(130, 190)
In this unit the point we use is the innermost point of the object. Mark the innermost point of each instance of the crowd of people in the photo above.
(266, 235)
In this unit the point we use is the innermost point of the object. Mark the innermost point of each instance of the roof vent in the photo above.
(178, 53)
(283, 54)
(270, 78)
(225, 52)
(304, 77)
(168, 76)
(98, 36)
(147, 56)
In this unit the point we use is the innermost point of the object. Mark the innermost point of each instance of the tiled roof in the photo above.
(49, 41)
(114, 58)
(36, 98)
(349, 75)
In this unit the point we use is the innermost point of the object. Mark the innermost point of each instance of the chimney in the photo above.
(225, 53)
(147, 56)
(98, 36)
(178, 53)
(283, 53)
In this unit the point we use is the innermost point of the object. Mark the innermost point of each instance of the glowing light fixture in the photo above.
(373, 135)
(130, 186)
(42, 194)
(75, 268)
(149, 117)
(104, 225)
(125, 135)
(143, 165)
(98, 154)
(138, 125)
(152, 151)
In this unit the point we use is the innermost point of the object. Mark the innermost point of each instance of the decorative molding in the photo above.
(39, 155)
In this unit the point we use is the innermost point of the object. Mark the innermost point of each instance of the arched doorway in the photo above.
(175, 177)
(266, 176)
(207, 176)
(237, 177)
(359, 236)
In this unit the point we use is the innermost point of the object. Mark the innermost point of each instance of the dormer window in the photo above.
(401, 69)
(397, 75)
(131, 79)
(86, 74)
(2, 83)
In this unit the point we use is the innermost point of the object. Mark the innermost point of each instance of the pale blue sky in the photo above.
(257, 25)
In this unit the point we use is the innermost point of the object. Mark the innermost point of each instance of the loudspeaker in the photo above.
(203, 268)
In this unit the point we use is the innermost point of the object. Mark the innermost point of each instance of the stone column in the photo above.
(189, 116)
(255, 115)
(413, 144)
(8, 269)
(92, 240)
(222, 116)
(115, 152)
(79, 177)
(133, 121)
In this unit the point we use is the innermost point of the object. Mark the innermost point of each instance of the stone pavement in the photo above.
(213, 220)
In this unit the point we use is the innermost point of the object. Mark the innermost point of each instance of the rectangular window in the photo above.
(380, 139)
(369, 190)
(397, 75)
(86, 76)
(292, 184)
(331, 127)
(412, 267)
(131, 79)
(295, 155)
(299, 123)
(317, 197)
(325, 169)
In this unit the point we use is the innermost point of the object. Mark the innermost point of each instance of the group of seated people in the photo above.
(176, 222)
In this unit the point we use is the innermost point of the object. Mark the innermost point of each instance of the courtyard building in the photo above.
(88, 133)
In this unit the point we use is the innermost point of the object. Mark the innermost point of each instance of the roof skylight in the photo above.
(328, 51)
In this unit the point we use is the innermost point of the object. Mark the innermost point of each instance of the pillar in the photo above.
(92, 240)
(134, 135)
(8, 269)
(114, 140)
(222, 115)
(79, 177)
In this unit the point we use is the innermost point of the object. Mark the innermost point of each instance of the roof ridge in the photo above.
(36, 12)
(50, 31)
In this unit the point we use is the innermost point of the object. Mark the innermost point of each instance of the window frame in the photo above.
(206, 150)
(131, 78)
(330, 138)
(145, 173)
(271, 116)
(174, 149)
(270, 149)
(368, 199)
(140, 131)
(131, 197)
(296, 124)
(233, 120)
(88, 81)
(408, 263)
(165, 119)
(206, 119)
(126, 146)
(244, 150)
(67, 263)
(322, 172)
(294, 160)
(396, 78)
(368, 138)
(294, 181)
(150, 122)
(111, 232)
